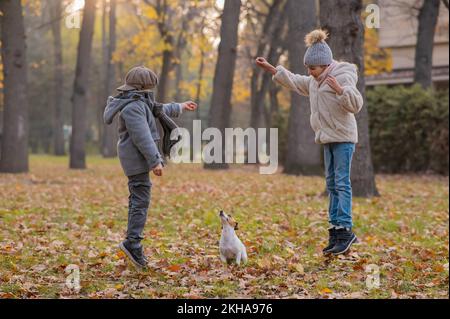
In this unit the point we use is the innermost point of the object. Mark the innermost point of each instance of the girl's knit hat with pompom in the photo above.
(318, 52)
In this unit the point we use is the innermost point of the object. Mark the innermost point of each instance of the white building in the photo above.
(398, 32)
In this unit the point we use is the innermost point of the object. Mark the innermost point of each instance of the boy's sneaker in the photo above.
(136, 255)
(345, 238)
(331, 241)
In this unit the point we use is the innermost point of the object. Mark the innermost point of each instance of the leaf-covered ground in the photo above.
(54, 217)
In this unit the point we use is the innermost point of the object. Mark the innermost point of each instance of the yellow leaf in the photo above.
(150, 13)
(326, 291)
(120, 255)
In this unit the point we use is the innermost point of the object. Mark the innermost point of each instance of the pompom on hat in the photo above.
(139, 78)
(318, 52)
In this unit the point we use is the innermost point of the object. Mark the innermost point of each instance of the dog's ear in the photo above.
(236, 226)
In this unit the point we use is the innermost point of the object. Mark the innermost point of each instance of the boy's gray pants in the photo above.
(139, 187)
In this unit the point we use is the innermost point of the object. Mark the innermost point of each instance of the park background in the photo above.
(64, 198)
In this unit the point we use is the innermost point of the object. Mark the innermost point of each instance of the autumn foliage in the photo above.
(54, 217)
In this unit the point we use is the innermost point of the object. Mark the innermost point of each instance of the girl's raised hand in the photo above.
(262, 63)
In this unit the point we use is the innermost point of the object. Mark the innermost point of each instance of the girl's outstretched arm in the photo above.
(294, 82)
(262, 63)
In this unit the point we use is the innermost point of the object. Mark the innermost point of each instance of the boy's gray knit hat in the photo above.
(318, 52)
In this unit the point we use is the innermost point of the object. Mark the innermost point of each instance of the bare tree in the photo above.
(260, 82)
(81, 88)
(109, 136)
(220, 111)
(181, 44)
(55, 8)
(270, 35)
(201, 70)
(174, 38)
(303, 155)
(101, 98)
(342, 19)
(428, 17)
(14, 155)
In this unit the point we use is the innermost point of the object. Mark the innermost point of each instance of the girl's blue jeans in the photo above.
(338, 160)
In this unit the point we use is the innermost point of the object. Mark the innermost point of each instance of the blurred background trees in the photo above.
(65, 76)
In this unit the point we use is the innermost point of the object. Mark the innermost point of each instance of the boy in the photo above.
(331, 87)
(137, 149)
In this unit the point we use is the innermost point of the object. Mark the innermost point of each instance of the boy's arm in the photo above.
(137, 126)
(173, 109)
(351, 99)
(294, 82)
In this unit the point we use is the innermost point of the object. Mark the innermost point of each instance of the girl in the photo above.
(334, 99)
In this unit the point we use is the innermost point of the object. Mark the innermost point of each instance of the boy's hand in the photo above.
(189, 105)
(158, 170)
(334, 84)
(262, 63)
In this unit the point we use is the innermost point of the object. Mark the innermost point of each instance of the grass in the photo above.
(53, 217)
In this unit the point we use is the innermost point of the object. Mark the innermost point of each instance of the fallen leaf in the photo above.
(174, 268)
(299, 268)
(326, 291)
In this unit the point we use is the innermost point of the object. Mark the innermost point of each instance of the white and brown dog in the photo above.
(230, 246)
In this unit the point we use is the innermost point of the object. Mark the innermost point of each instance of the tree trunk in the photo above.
(201, 70)
(303, 154)
(165, 70)
(109, 139)
(103, 97)
(271, 43)
(81, 88)
(275, 51)
(199, 83)
(428, 17)
(180, 47)
(178, 79)
(220, 111)
(257, 92)
(58, 79)
(342, 19)
(15, 118)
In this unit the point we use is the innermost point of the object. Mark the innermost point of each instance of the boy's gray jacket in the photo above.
(138, 134)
